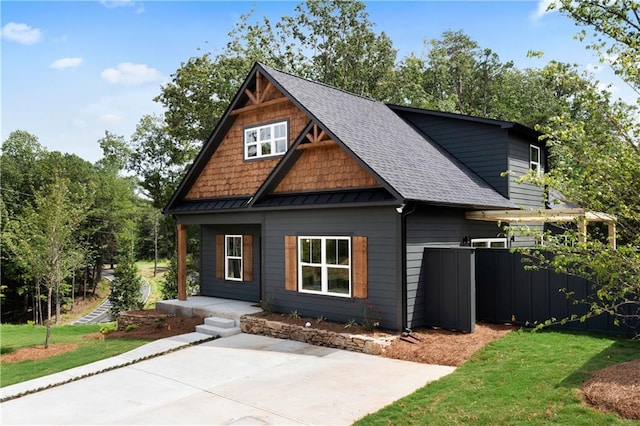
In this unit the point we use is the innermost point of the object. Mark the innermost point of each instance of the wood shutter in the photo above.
(290, 263)
(247, 258)
(220, 256)
(360, 267)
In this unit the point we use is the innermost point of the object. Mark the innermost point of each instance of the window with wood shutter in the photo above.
(234, 257)
(334, 265)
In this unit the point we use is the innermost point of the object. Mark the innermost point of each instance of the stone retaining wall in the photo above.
(356, 343)
(128, 318)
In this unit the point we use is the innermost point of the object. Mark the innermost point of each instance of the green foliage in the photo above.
(126, 287)
(131, 327)
(351, 323)
(371, 319)
(294, 314)
(615, 33)
(522, 378)
(170, 283)
(595, 163)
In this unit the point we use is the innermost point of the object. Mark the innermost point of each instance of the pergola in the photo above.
(581, 216)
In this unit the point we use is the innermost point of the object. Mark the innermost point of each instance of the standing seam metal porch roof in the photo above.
(417, 168)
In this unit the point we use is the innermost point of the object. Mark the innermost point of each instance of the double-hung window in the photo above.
(233, 257)
(324, 265)
(265, 141)
(534, 158)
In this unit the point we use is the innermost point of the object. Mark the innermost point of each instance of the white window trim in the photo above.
(486, 242)
(532, 163)
(324, 266)
(227, 258)
(272, 141)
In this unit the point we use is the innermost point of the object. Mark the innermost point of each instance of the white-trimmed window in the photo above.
(265, 141)
(324, 265)
(534, 159)
(489, 242)
(233, 257)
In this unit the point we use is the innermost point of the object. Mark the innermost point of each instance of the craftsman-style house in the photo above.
(321, 201)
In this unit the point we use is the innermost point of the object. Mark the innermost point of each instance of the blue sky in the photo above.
(71, 70)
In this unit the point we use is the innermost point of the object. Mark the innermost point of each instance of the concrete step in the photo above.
(217, 331)
(220, 322)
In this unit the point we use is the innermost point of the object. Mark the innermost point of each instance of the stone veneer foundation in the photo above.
(351, 342)
(139, 318)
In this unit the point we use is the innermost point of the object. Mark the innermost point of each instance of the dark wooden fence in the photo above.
(496, 285)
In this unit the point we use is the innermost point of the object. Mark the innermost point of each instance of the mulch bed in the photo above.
(616, 388)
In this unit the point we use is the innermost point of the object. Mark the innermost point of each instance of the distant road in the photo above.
(101, 313)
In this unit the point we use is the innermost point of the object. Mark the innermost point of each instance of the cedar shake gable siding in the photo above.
(227, 173)
(324, 166)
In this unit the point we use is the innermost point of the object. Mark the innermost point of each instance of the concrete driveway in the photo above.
(243, 379)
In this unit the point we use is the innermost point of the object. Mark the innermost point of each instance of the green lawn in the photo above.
(522, 378)
(13, 337)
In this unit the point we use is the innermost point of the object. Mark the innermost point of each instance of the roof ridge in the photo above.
(308, 80)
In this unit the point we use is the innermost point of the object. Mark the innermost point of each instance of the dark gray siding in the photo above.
(525, 195)
(379, 224)
(481, 147)
(214, 287)
(435, 227)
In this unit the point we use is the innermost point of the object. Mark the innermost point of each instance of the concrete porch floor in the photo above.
(203, 306)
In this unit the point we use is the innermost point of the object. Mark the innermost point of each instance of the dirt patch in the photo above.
(445, 347)
(37, 352)
(616, 388)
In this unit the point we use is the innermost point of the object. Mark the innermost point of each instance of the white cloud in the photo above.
(79, 123)
(64, 63)
(128, 74)
(111, 119)
(112, 4)
(541, 9)
(21, 33)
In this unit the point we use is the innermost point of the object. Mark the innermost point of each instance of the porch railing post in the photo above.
(182, 261)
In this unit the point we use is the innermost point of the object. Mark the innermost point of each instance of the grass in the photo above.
(14, 337)
(146, 270)
(523, 378)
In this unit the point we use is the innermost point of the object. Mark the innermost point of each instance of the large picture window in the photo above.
(233, 257)
(324, 265)
(265, 141)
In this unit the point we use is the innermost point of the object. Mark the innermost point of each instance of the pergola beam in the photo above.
(581, 216)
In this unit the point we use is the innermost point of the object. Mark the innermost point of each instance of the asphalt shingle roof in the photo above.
(415, 167)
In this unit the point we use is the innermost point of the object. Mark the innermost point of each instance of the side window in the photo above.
(534, 158)
(489, 242)
(265, 141)
(325, 265)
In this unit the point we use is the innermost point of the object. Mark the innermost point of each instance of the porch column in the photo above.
(582, 229)
(612, 234)
(182, 261)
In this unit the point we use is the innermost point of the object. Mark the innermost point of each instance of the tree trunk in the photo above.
(86, 277)
(155, 244)
(57, 302)
(50, 295)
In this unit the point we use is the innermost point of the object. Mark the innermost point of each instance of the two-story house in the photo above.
(321, 201)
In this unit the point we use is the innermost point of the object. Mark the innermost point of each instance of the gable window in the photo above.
(265, 141)
(324, 265)
(534, 158)
(233, 257)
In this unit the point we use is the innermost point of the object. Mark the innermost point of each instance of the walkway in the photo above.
(101, 313)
